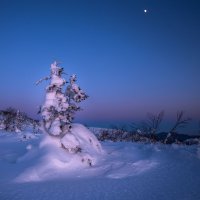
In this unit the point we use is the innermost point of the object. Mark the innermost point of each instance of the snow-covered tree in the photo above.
(59, 107)
(58, 113)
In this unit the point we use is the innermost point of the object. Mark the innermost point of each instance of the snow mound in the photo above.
(83, 138)
(81, 150)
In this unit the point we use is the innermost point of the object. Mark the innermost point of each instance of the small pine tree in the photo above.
(60, 107)
(58, 112)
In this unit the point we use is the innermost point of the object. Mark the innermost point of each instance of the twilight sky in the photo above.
(129, 62)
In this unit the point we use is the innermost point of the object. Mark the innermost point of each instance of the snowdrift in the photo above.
(56, 158)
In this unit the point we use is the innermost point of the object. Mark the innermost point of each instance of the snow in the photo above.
(55, 127)
(70, 142)
(88, 140)
(38, 168)
(54, 161)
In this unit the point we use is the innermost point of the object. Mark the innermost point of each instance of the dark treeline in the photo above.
(148, 131)
(13, 120)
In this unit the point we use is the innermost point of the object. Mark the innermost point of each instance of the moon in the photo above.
(145, 10)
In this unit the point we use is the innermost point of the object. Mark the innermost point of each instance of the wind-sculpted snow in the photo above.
(54, 161)
(40, 169)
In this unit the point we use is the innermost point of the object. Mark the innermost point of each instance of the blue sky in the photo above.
(128, 61)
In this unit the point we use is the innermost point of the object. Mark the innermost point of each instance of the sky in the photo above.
(129, 62)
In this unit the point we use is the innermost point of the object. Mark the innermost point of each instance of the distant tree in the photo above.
(154, 121)
(180, 122)
(151, 126)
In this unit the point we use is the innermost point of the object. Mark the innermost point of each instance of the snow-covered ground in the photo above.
(30, 170)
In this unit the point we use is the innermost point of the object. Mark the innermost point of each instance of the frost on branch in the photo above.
(58, 113)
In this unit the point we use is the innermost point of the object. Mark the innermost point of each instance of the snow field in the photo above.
(40, 169)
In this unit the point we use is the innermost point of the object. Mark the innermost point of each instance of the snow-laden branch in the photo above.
(42, 79)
